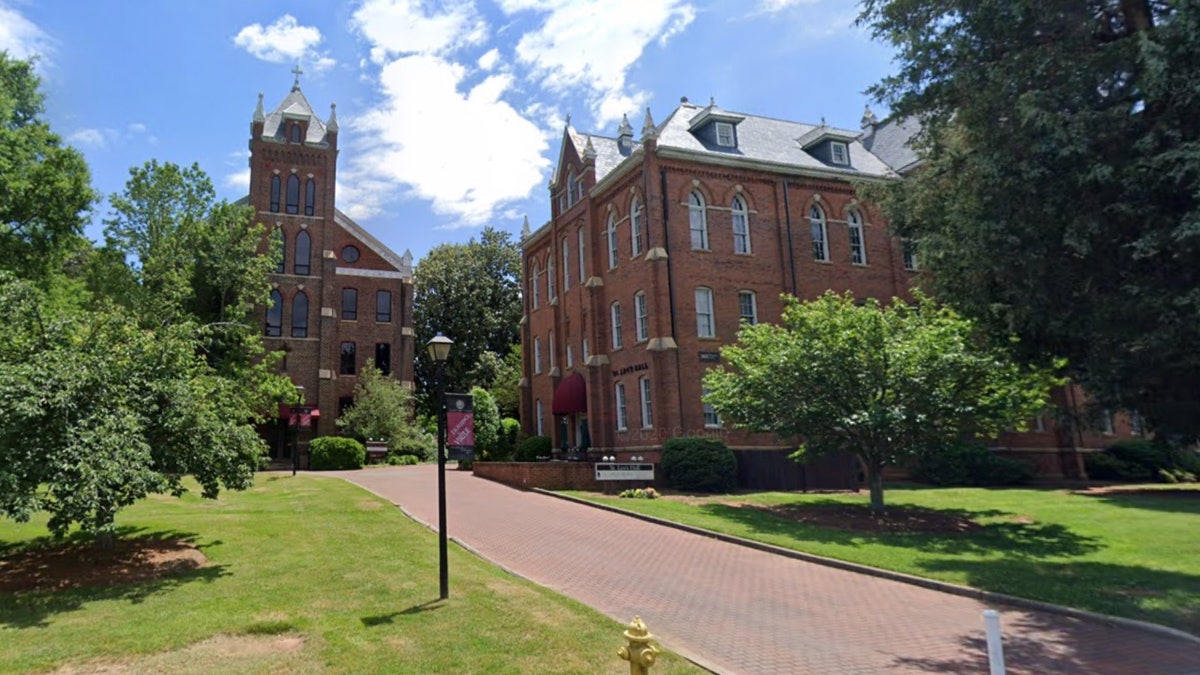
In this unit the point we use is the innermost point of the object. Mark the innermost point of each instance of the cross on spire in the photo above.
(297, 72)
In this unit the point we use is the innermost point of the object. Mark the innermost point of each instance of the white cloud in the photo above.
(19, 36)
(284, 41)
(592, 44)
(772, 6)
(103, 137)
(239, 177)
(399, 27)
(238, 180)
(488, 60)
(468, 152)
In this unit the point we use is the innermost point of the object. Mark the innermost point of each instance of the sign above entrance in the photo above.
(635, 368)
(460, 427)
(710, 357)
(612, 471)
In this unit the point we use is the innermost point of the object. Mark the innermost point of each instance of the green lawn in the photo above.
(1131, 555)
(305, 574)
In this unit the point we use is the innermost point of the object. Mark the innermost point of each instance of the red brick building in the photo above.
(340, 298)
(658, 248)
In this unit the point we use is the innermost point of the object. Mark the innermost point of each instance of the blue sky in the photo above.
(451, 112)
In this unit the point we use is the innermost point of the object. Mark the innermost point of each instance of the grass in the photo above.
(305, 574)
(1130, 555)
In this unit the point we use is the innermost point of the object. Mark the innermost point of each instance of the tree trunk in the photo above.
(875, 482)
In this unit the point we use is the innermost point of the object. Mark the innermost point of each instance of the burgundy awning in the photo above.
(570, 396)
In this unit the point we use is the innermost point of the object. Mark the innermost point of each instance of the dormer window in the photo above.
(839, 152)
(294, 132)
(725, 134)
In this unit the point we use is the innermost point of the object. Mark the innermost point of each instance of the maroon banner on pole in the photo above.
(460, 427)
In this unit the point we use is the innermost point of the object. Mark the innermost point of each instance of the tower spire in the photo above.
(297, 72)
(258, 110)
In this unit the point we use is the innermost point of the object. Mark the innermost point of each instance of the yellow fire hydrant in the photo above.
(639, 652)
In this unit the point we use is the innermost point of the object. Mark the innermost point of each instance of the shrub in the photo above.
(533, 447)
(418, 444)
(699, 465)
(510, 431)
(639, 493)
(1103, 466)
(487, 425)
(403, 460)
(332, 453)
(1139, 460)
(969, 464)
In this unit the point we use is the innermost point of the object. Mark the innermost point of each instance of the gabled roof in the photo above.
(402, 264)
(891, 140)
(294, 106)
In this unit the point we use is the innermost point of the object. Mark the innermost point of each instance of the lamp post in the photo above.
(296, 430)
(439, 351)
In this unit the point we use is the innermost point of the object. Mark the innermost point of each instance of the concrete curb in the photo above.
(945, 587)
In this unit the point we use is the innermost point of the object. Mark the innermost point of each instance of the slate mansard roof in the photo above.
(295, 107)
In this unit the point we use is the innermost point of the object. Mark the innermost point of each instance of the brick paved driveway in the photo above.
(739, 610)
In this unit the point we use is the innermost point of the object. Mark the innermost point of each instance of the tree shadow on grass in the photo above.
(1044, 643)
(1170, 500)
(1011, 538)
(49, 593)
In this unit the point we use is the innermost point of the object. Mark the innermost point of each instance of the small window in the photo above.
(383, 306)
(276, 189)
(725, 134)
(295, 132)
(642, 325)
(698, 222)
(820, 247)
(537, 300)
(705, 327)
(839, 152)
(348, 363)
(383, 357)
(635, 226)
(541, 428)
(622, 412)
(345, 403)
(858, 247)
(303, 253)
(300, 315)
(550, 348)
(572, 182)
(586, 354)
(910, 255)
(279, 249)
(1039, 423)
(293, 194)
(350, 254)
(310, 197)
(711, 419)
(615, 311)
(349, 304)
(610, 233)
(748, 307)
(537, 355)
(1137, 425)
(275, 315)
(1106, 422)
(647, 413)
(741, 226)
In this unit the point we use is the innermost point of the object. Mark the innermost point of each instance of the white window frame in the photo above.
(537, 355)
(541, 429)
(635, 226)
(582, 266)
(537, 296)
(706, 322)
(712, 419)
(751, 317)
(698, 221)
(725, 137)
(566, 264)
(858, 238)
(641, 317)
(622, 409)
(909, 253)
(570, 357)
(572, 181)
(611, 233)
(550, 277)
(839, 152)
(614, 313)
(586, 353)
(740, 219)
(550, 348)
(647, 409)
(817, 225)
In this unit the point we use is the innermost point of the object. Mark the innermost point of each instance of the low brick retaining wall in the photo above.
(553, 476)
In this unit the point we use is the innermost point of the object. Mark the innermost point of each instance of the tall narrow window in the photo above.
(276, 189)
(570, 357)
(348, 362)
(550, 278)
(536, 288)
(349, 304)
(582, 267)
(741, 226)
(566, 258)
(275, 315)
(310, 197)
(279, 249)
(537, 355)
(1106, 422)
(622, 412)
(303, 253)
(910, 255)
(586, 354)
(748, 307)
(858, 247)
(541, 429)
(615, 311)
(295, 133)
(383, 357)
(635, 226)
(816, 221)
(571, 183)
(550, 348)
(647, 413)
(704, 313)
(300, 315)
(641, 325)
(383, 306)
(293, 194)
(610, 233)
(711, 419)
(698, 221)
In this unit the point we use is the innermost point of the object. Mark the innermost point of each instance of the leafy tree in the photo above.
(471, 293)
(45, 191)
(383, 409)
(501, 377)
(1059, 195)
(880, 383)
(489, 442)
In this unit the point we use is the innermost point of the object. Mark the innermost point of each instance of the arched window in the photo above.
(572, 181)
(303, 253)
(279, 250)
(310, 197)
(858, 242)
(275, 315)
(615, 314)
(293, 194)
(698, 221)
(537, 355)
(276, 188)
(537, 300)
(611, 233)
(820, 240)
(705, 325)
(295, 133)
(635, 225)
(741, 226)
(300, 315)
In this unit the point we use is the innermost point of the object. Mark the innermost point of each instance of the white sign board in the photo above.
(612, 471)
